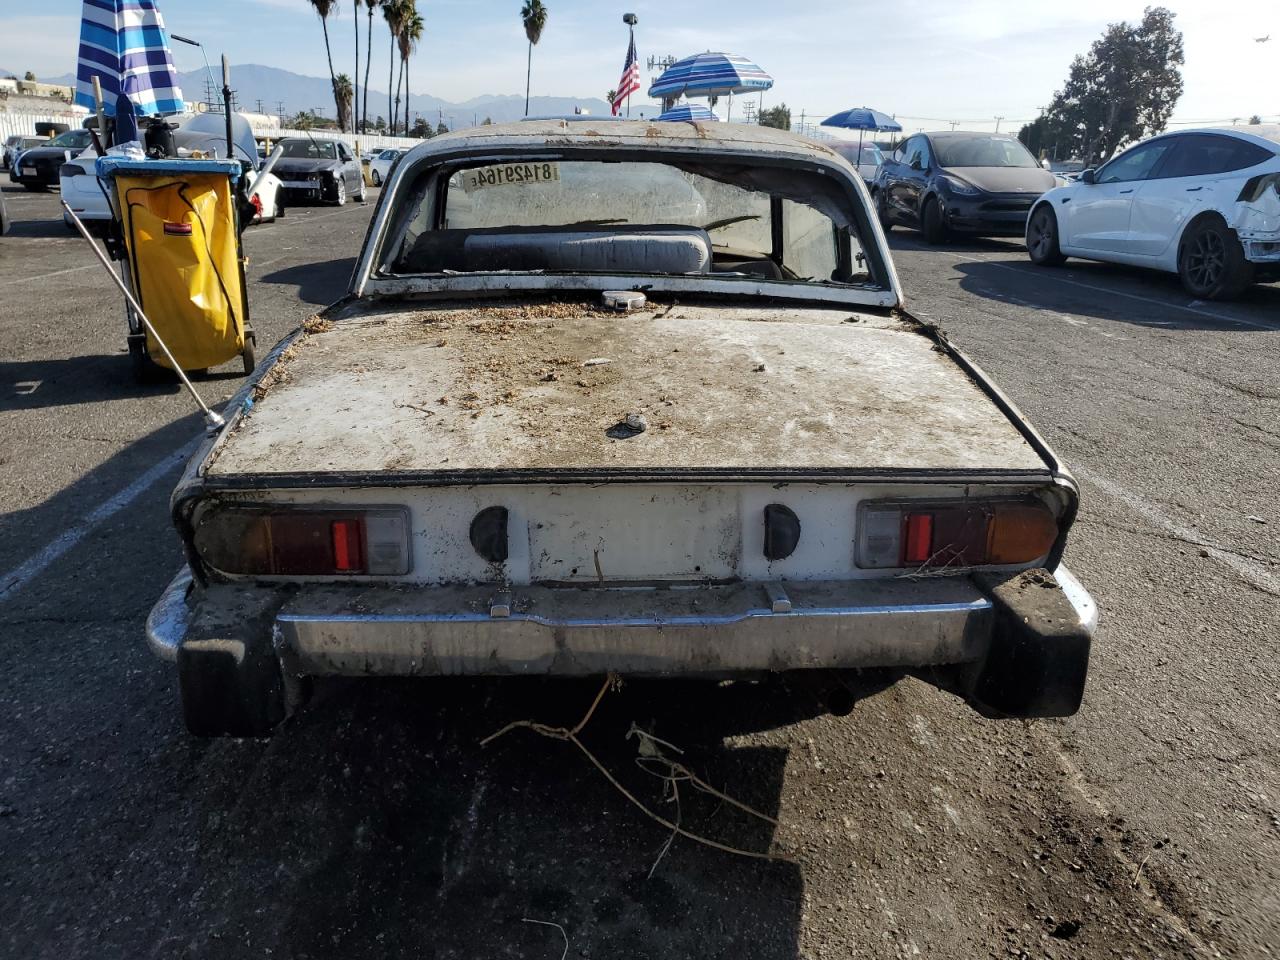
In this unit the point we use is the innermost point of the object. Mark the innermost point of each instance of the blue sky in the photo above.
(928, 61)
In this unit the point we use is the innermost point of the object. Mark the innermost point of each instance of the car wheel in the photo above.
(932, 227)
(1211, 261)
(882, 212)
(340, 191)
(363, 195)
(1042, 238)
(377, 179)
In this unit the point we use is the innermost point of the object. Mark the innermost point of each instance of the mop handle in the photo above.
(213, 420)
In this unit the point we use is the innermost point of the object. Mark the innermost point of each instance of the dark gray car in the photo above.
(319, 169)
(982, 184)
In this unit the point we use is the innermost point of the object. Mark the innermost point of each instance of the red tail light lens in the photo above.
(264, 541)
(954, 534)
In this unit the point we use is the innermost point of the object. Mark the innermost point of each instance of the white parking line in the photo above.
(17, 578)
(1110, 292)
(46, 276)
(1252, 573)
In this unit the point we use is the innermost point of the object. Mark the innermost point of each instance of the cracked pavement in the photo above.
(375, 825)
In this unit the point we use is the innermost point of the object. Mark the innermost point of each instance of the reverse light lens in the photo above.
(263, 541)
(954, 534)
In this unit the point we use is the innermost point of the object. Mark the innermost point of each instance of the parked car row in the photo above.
(1204, 204)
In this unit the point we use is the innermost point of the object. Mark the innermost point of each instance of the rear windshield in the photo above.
(590, 216)
(72, 138)
(982, 152)
(309, 149)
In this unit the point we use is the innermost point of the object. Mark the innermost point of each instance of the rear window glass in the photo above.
(590, 216)
(1202, 154)
(309, 149)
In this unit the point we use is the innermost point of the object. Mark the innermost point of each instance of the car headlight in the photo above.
(958, 187)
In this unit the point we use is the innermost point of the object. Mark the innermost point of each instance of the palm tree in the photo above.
(410, 34)
(344, 95)
(371, 5)
(324, 8)
(394, 12)
(534, 15)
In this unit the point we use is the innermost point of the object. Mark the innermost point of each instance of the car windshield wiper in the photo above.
(729, 221)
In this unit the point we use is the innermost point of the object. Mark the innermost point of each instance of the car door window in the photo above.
(926, 155)
(1205, 154)
(912, 151)
(1135, 164)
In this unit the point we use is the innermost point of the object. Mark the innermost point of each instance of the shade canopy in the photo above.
(710, 75)
(863, 118)
(124, 44)
(689, 112)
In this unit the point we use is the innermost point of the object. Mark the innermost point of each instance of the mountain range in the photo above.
(253, 82)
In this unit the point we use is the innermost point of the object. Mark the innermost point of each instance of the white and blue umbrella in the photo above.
(710, 75)
(690, 112)
(863, 119)
(124, 44)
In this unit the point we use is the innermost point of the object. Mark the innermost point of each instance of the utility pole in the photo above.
(954, 123)
(259, 105)
(998, 119)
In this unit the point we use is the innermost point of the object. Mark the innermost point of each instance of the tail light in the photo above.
(954, 534)
(265, 541)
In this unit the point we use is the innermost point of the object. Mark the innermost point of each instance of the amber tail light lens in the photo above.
(953, 534)
(264, 541)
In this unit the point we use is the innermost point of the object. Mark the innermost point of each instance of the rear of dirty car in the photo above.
(475, 464)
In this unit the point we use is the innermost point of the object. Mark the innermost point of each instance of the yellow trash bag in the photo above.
(180, 232)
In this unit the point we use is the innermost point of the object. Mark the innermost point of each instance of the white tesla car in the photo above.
(1204, 204)
(383, 161)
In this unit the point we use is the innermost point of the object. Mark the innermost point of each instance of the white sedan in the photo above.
(1204, 204)
(383, 161)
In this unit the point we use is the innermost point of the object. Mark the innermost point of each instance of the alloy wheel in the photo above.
(1206, 259)
(1041, 235)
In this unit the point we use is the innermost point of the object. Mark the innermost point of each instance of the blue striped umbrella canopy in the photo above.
(689, 112)
(863, 118)
(124, 44)
(710, 75)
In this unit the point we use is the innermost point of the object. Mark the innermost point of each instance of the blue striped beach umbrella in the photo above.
(124, 44)
(710, 75)
(688, 112)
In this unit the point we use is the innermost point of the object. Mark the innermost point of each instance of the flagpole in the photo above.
(630, 20)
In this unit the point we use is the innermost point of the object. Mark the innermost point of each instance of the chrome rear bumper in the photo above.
(736, 628)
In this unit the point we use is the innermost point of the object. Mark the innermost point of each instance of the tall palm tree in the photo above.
(394, 12)
(534, 15)
(355, 93)
(410, 34)
(344, 95)
(324, 8)
(371, 5)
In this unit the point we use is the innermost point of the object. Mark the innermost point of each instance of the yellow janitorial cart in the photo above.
(179, 242)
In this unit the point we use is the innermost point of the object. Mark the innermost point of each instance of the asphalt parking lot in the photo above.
(376, 825)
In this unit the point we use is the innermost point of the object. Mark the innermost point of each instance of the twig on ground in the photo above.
(548, 923)
(1137, 874)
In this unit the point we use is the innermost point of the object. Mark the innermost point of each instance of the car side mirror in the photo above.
(1088, 177)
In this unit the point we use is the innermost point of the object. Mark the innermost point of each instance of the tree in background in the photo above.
(1255, 120)
(441, 128)
(778, 117)
(410, 34)
(1122, 90)
(610, 97)
(323, 8)
(371, 6)
(29, 77)
(345, 95)
(421, 129)
(534, 16)
(394, 13)
(487, 122)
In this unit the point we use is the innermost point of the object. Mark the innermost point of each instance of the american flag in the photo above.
(630, 81)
